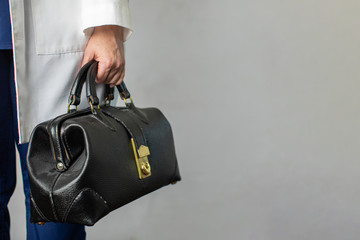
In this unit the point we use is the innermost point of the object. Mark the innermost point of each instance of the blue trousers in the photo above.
(8, 140)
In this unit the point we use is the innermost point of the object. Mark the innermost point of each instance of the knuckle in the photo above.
(107, 63)
(117, 64)
(113, 80)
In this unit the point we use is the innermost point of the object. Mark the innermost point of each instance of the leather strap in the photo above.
(124, 92)
(132, 125)
(90, 84)
(75, 92)
(109, 92)
(88, 74)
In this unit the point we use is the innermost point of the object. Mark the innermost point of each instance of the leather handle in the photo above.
(124, 92)
(75, 92)
(87, 74)
(109, 93)
(90, 84)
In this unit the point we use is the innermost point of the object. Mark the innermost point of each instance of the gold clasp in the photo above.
(107, 100)
(142, 161)
(71, 101)
(126, 102)
(92, 107)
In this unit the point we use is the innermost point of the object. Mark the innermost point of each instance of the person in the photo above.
(42, 46)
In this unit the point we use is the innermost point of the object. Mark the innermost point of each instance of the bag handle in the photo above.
(87, 74)
(124, 92)
(75, 92)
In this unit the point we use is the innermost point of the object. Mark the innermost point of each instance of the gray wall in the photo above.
(263, 97)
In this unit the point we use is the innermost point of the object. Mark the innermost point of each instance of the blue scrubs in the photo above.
(8, 140)
(5, 27)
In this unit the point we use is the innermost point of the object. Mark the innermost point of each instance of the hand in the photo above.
(106, 46)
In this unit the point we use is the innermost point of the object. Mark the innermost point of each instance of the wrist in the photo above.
(114, 30)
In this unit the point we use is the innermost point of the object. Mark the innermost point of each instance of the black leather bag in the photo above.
(84, 164)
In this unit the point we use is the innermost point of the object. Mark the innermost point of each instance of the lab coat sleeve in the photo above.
(106, 12)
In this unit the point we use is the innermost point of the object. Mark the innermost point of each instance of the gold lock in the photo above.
(145, 168)
(40, 223)
(142, 161)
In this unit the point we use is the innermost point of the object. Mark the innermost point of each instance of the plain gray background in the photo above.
(263, 97)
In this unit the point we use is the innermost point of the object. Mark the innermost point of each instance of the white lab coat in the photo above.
(48, 41)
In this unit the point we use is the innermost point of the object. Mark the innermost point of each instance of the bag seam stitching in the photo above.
(72, 202)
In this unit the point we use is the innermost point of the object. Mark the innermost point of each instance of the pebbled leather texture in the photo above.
(99, 173)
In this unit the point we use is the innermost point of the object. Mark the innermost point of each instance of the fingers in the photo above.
(111, 74)
(107, 48)
(121, 77)
(104, 70)
(117, 79)
(108, 73)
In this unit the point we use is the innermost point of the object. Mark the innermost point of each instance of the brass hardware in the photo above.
(143, 151)
(69, 107)
(141, 160)
(174, 182)
(127, 103)
(107, 99)
(92, 107)
(40, 223)
(71, 101)
(60, 166)
(145, 168)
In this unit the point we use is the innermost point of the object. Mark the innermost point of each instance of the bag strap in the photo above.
(124, 92)
(75, 92)
(86, 74)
